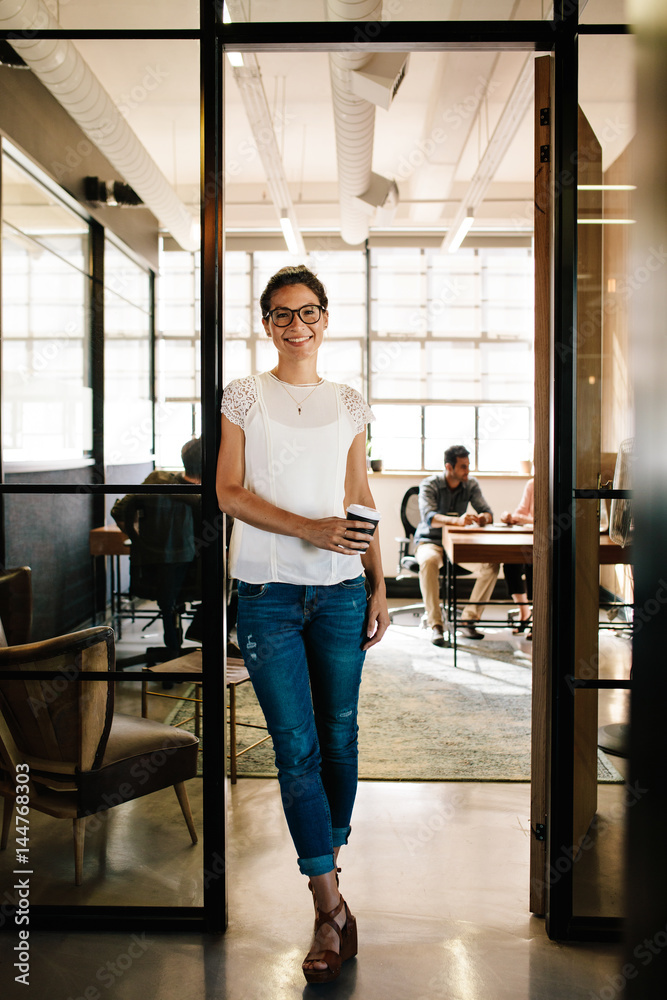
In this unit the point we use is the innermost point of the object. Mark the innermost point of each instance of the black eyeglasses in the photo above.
(282, 316)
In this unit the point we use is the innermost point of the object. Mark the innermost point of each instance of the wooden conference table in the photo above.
(501, 543)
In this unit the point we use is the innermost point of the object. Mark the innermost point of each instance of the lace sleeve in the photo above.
(357, 407)
(237, 399)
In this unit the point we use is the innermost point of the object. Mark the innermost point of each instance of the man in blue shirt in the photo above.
(444, 500)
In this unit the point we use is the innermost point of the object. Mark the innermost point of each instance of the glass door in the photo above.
(592, 622)
(603, 447)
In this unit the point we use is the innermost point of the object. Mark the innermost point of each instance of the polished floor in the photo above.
(436, 873)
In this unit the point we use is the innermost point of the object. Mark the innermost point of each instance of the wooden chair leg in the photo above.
(79, 831)
(197, 710)
(232, 732)
(184, 802)
(7, 815)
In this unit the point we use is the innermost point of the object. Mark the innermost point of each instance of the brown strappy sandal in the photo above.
(311, 889)
(347, 937)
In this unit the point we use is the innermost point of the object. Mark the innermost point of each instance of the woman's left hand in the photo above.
(377, 620)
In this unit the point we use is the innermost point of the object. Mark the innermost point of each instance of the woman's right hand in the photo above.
(337, 534)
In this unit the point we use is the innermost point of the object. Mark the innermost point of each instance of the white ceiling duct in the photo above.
(59, 66)
(354, 120)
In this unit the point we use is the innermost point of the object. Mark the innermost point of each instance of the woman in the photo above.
(292, 457)
(519, 576)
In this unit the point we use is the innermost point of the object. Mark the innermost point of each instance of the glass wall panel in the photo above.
(393, 10)
(177, 357)
(133, 587)
(609, 277)
(47, 402)
(128, 406)
(605, 12)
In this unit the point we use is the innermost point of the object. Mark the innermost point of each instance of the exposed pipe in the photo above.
(354, 121)
(512, 116)
(63, 71)
(249, 81)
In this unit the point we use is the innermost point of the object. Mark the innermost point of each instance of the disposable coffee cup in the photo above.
(357, 512)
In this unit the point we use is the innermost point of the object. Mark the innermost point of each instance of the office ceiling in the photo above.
(431, 140)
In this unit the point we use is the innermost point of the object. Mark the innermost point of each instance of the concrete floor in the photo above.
(436, 874)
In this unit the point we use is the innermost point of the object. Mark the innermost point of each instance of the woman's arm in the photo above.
(357, 490)
(333, 533)
(524, 512)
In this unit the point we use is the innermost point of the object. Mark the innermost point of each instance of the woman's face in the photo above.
(299, 340)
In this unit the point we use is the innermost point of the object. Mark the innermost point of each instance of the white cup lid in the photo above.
(370, 512)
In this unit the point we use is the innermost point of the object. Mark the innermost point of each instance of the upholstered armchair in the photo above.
(82, 756)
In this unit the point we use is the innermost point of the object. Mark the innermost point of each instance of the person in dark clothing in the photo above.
(163, 530)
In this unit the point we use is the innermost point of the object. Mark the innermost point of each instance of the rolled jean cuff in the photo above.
(316, 866)
(340, 835)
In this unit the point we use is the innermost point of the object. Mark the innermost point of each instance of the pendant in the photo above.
(299, 409)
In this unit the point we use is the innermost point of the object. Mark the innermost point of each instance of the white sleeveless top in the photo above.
(296, 461)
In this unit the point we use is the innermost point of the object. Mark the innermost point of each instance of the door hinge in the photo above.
(545, 154)
(539, 831)
(545, 116)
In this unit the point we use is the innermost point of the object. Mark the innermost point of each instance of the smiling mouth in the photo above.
(299, 340)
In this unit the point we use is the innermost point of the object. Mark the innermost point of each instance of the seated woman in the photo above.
(519, 576)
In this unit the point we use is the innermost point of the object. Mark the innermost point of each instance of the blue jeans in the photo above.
(302, 648)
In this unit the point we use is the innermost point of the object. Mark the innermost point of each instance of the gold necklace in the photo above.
(296, 401)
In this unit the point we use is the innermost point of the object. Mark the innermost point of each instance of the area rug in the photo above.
(420, 719)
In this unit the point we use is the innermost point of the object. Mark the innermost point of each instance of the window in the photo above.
(446, 358)
(177, 361)
(47, 398)
(451, 357)
(128, 408)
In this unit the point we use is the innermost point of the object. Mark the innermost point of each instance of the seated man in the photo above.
(444, 500)
(166, 557)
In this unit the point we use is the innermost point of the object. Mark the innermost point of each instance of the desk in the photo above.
(109, 541)
(495, 543)
(501, 544)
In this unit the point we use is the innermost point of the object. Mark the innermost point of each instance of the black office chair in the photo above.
(407, 564)
(408, 567)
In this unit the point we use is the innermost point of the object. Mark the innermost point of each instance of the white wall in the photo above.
(388, 489)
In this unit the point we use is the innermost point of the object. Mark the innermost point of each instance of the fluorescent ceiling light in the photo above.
(605, 222)
(235, 58)
(606, 187)
(461, 232)
(288, 232)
